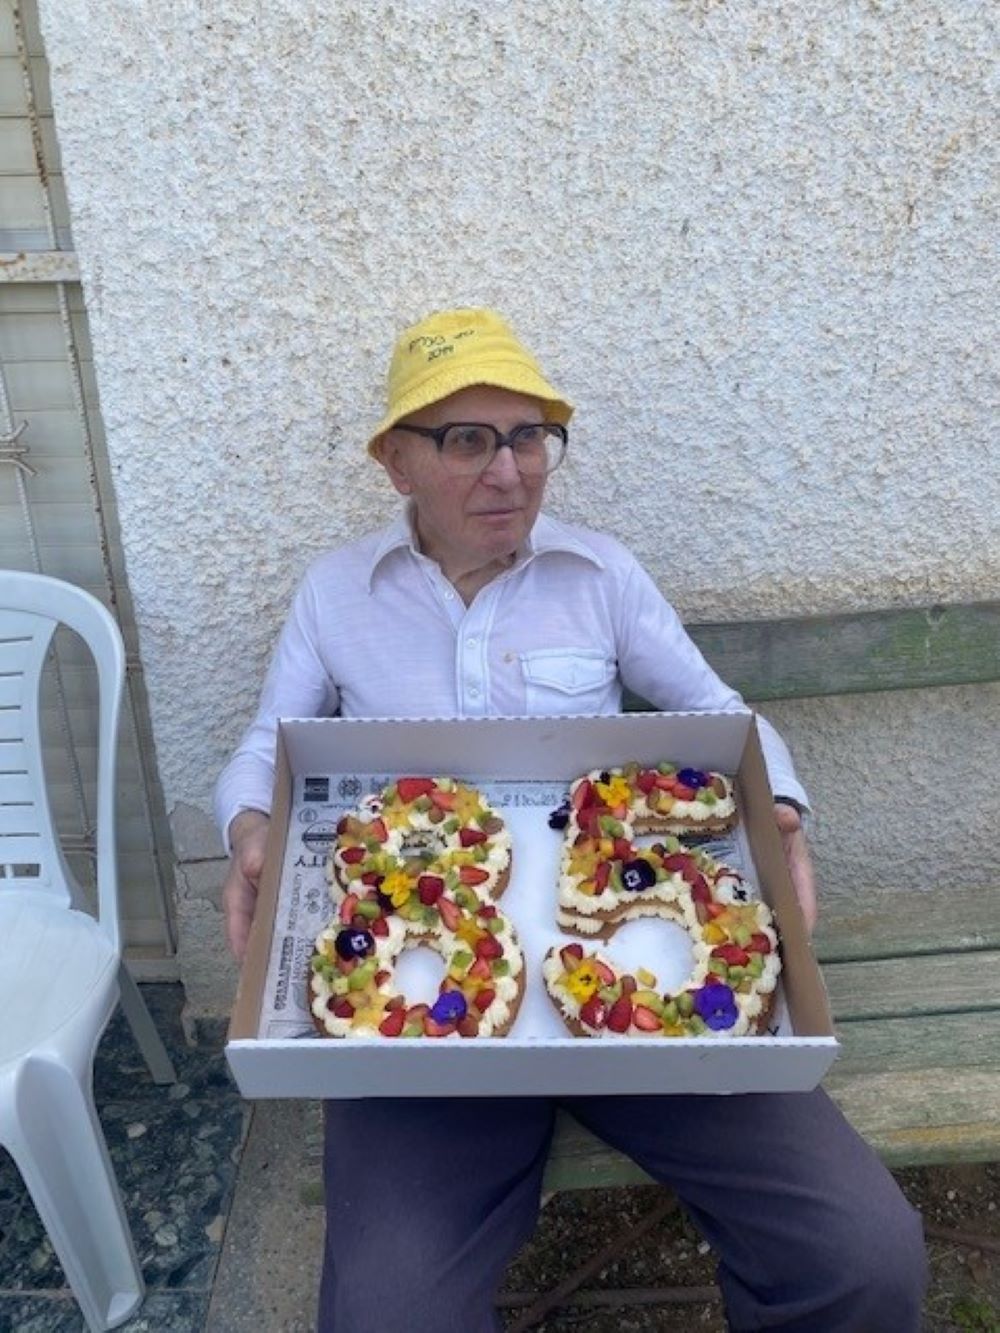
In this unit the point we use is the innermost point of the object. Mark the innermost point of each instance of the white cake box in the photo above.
(524, 766)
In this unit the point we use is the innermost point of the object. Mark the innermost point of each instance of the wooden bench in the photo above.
(915, 994)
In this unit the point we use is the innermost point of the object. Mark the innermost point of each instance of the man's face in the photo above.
(467, 522)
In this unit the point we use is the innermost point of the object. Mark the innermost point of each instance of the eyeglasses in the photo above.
(469, 447)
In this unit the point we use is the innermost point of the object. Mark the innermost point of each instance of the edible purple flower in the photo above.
(716, 1004)
(693, 777)
(354, 943)
(638, 875)
(449, 1007)
(558, 819)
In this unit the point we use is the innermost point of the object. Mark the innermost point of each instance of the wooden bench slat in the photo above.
(924, 1117)
(900, 648)
(903, 922)
(943, 1041)
(894, 987)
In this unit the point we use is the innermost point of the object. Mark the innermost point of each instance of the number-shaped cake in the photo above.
(421, 863)
(608, 878)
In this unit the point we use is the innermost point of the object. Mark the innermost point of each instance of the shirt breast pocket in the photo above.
(565, 681)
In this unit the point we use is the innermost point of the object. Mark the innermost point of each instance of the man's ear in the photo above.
(391, 452)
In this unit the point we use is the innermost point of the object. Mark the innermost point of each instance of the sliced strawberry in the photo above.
(604, 972)
(417, 1013)
(393, 1023)
(645, 1019)
(397, 1002)
(444, 800)
(594, 1012)
(666, 782)
(488, 947)
(468, 1026)
(628, 984)
(569, 957)
(411, 789)
(488, 911)
(484, 999)
(480, 969)
(377, 830)
(469, 837)
(676, 861)
(352, 855)
(473, 874)
(601, 876)
(372, 878)
(623, 849)
(620, 1015)
(430, 889)
(583, 794)
(714, 909)
(341, 1007)
(731, 954)
(684, 793)
(690, 872)
(700, 891)
(646, 781)
(359, 922)
(451, 913)
(432, 1029)
(759, 943)
(348, 908)
(379, 927)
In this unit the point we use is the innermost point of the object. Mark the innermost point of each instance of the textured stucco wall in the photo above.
(752, 242)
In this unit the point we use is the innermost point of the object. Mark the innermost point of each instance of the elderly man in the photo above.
(476, 603)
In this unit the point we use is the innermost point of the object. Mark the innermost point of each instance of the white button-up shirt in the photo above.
(376, 630)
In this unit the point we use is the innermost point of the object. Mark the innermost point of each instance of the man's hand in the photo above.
(248, 837)
(800, 864)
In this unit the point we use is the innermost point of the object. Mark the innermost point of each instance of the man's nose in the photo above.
(501, 469)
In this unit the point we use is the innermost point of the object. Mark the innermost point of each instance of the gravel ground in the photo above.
(965, 1287)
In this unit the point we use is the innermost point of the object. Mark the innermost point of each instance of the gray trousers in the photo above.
(427, 1201)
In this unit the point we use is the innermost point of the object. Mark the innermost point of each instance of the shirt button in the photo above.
(471, 643)
(473, 692)
(449, 595)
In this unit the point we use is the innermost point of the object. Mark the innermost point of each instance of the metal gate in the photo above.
(57, 509)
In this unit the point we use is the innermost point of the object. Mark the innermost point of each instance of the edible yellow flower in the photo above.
(398, 886)
(615, 792)
(467, 805)
(582, 983)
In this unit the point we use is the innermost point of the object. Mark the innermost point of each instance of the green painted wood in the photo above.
(894, 649)
(902, 923)
(929, 1041)
(896, 987)
(578, 1160)
(929, 1116)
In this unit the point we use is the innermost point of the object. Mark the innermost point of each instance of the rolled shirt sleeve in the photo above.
(297, 685)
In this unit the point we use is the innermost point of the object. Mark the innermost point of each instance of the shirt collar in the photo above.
(548, 535)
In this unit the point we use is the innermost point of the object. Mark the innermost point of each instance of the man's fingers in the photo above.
(239, 898)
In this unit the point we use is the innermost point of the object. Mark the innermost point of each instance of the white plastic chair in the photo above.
(61, 970)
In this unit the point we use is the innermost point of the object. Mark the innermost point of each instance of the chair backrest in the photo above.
(32, 606)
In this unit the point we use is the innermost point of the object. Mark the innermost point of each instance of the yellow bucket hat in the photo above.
(455, 349)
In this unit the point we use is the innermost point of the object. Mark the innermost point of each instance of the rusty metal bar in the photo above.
(595, 1265)
(612, 1297)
